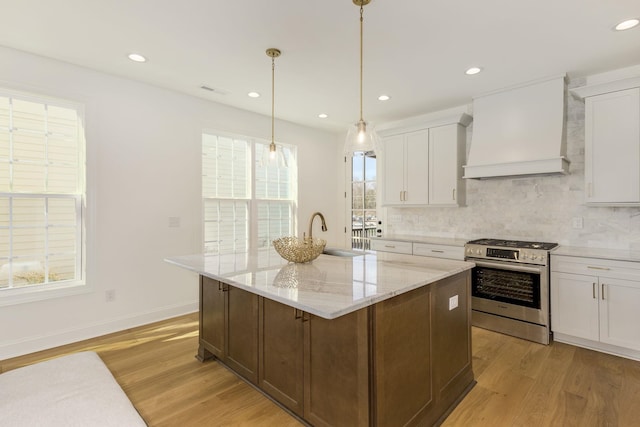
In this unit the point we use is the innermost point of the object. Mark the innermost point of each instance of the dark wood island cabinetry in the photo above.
(405, 360)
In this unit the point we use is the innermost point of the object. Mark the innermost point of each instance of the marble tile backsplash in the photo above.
(529, 208)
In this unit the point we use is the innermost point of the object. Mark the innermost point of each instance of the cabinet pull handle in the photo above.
(603, 291)
(305, 317)
(598, 268)
(437, 251)
(222, 287)
(297, 314)
(390, 246)
(453, 194)
(593, 288)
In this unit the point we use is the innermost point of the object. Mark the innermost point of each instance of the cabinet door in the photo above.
(403, 358)
(281, 351)
(393, 170)
(242, 333)
(452, 336)
(619, 313)
(445, 170)
(612, 147)
(417, 168)
(574, 305)
(336, 370)
(212, 329)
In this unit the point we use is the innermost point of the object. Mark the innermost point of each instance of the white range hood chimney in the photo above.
(519, 131)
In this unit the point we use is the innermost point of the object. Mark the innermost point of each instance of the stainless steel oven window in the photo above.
(508, 286)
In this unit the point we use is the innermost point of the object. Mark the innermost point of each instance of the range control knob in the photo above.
(534, 257)
(478, 251)
(525, 255)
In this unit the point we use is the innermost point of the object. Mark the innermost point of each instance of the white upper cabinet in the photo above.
(612, 142)
(612, 148)
(404, 163)
(422, 163)
(446, 154)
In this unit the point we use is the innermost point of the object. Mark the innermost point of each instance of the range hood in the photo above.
(519, 131)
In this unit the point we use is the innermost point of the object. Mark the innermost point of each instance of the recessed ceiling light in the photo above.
(473, 70)
(323, 115)
(384, 98)
(136, 57)
(628, 24)
(254, 95)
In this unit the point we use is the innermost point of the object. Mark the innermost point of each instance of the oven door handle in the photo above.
(506, 266)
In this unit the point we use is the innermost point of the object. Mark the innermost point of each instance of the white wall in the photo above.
(530, 208)
(143, 147)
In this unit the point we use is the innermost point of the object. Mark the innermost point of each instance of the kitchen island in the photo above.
(377, 339)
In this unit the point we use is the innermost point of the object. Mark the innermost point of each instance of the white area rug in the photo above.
(75, 390)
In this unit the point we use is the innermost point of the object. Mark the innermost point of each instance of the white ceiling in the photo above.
(416, 51)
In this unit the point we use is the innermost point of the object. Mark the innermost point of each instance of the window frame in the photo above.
(252, 202)
(77, 285)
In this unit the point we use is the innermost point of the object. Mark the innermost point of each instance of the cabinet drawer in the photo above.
(392, 246)
(596, 267)
(439, 251)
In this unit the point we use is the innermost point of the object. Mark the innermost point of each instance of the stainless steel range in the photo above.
(510, 287)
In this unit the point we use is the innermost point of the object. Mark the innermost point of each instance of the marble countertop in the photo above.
(329, 286)
(450, 241)
(600, 253)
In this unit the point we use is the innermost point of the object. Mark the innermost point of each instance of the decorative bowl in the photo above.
(298, 250)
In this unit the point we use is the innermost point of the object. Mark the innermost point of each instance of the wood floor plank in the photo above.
(520, 383)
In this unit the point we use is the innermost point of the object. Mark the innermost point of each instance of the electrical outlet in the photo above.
(453, 302)
(577, 222)
(174, 222)
(110, 295)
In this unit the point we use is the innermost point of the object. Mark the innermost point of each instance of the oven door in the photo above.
(511, 290)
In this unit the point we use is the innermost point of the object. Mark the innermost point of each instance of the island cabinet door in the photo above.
(281, 354)
(242, 332)
(336, 370)
(452, 358)
(212, 319)
(402, 359)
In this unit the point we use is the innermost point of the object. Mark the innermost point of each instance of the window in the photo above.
(248, 199)
(364, 220)
(41, 194)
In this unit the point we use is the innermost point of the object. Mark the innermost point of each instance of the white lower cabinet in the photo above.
(574, 308)
(595, 303)
(620, 313)
(395, 246)
(439, 251)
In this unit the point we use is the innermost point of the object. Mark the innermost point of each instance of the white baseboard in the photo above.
(597, 346)
(58, 338)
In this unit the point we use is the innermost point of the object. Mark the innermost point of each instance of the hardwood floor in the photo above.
(519, 383)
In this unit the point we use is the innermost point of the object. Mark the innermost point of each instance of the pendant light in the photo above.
(273, 54)
(361, 136)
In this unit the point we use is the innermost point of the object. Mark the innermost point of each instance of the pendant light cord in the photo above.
(361, 60)
(273, 94)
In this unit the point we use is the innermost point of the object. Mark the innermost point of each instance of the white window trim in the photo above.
(63, 288)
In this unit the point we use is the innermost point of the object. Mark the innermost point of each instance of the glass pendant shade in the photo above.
(272, 151)
(361, 137)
